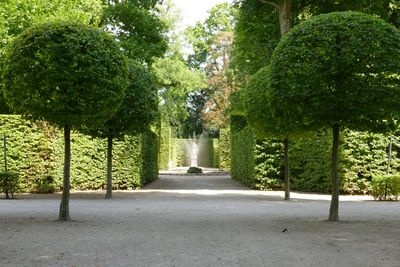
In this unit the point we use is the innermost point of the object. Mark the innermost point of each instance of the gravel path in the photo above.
(198, 221)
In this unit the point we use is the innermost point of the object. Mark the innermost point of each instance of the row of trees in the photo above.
(76, 75)
(324, 73)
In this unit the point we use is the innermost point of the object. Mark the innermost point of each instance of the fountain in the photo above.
(193, 154)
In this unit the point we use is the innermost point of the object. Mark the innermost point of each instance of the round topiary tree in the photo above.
(256, 98)
(338, 70)
(66, 73)
(138, 111)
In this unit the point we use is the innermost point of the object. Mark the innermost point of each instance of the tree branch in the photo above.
(270, 3)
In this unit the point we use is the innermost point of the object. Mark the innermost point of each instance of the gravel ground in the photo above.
(198, 221)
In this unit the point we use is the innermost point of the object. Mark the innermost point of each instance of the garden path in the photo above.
(208, 220)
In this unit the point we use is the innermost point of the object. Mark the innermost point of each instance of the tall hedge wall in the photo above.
(242, 151)
(224, 150)
(362, 155)
(165, 146)
(35, 150)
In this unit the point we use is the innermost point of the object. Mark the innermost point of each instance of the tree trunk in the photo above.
(334, 210)
(109, 167)
(64, 206)
(287, 180)
(285, 12)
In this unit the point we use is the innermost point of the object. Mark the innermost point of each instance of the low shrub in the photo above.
(194, 170)
(9, 183)
(385, 187)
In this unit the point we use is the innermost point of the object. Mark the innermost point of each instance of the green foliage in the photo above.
(364, 155)
(386, 187)
(137, 27)
(31, 152)
(18, 15)
(139, 108)
(179, 155)
(34, 150)
(165, 146)
(216, 152)
(194, 170)
(242, 151)
(9, 183)
(256, 35)
(256, 102)
(65, 72)
(338, 69)
(224, 150)
(204, 35)
(310, 162)
(149, 157)
(177, 81)
(268, 168)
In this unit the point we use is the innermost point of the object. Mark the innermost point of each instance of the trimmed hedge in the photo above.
(224, 150)
(165, 146)
(385, 187)
(362, 156)
(242, 151)
(35, 150)
(9, 183)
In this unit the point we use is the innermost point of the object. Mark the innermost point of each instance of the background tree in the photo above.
(212, 43)
(177, 81)
(138, 28)
(138, 111)
(69, 74)
(334, 71)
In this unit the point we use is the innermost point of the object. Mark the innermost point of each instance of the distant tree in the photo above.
(337, 70)
(68, 74)
(177, 81)
(212, 43)
(138, 111)
(137, 27)
(194, 122)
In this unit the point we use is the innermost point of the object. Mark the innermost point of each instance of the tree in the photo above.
(177, 81)
(212, 44)
(137, 27)
(337, 70)
(68, 74)
(138, 111)
(256, 35)
(256, 98)
(18, 15)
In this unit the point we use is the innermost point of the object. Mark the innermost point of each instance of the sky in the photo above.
(195, 10)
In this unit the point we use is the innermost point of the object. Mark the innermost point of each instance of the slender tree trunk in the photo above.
(287, 180)
(285, 18)
(109, 167)
(285, 11)
(64, 206)
(334, 210)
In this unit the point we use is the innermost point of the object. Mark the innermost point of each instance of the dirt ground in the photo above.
(198, 221)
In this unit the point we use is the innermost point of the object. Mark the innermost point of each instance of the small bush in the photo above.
(385, 187)
(9, 183)
(194, 170)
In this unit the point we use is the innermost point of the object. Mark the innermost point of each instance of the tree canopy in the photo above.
(66, 73)
(340, 68)
(137, 27)
(69, 74)
(337, 70)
